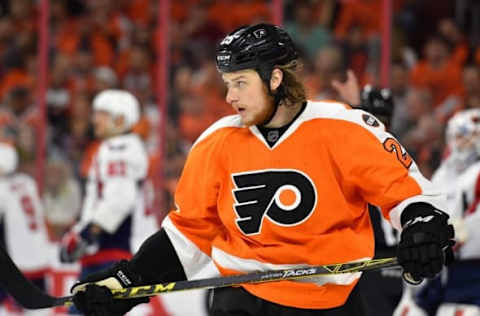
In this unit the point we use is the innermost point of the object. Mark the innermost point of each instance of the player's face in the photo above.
(102, 124)
(466, 143)
(247, 94)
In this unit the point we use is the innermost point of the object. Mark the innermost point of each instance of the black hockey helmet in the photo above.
(378, 102)
(260, 47)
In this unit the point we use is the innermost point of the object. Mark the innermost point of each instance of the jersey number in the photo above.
(29, 210)
(117, 168)
(392, 145)
(285, 197)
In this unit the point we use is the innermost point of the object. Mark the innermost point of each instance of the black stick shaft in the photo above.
(31, 297)
(25, 292)
(256, 277)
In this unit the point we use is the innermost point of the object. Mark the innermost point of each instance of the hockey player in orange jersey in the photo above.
(284, 183)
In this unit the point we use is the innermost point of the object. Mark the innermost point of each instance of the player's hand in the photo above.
(425, 243)
(75, 244)
(93, 296)
(349, 90)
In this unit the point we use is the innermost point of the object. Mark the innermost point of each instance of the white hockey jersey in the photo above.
(445, 178)
(144, 218)
(113, 189)
(25, 232)
(115, 197)
(467, 208)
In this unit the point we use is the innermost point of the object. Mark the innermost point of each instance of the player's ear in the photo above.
(276, 79)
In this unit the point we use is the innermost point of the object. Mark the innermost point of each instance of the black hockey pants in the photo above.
(235, 301)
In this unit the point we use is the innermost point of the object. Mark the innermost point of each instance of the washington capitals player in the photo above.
(458, 292)
(114, 187)
(21, 210)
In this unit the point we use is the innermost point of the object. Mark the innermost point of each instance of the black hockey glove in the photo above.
(425, 243)
(93, 296)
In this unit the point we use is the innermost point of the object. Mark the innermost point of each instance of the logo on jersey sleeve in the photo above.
(285, 197)
(370, 120)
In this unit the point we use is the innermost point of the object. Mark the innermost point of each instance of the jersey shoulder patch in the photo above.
(341, 111)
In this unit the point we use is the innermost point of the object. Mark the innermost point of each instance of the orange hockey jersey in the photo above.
(245, 206)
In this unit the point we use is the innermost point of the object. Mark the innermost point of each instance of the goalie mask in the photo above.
(463, 138)
(118, 103)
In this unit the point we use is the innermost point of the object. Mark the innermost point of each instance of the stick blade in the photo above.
(25, 292)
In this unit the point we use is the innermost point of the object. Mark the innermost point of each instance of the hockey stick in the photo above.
(255, 277)
(30, 296)
(23, 291)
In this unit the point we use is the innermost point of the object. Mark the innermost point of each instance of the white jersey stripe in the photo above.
(196, 263)
(232, 262)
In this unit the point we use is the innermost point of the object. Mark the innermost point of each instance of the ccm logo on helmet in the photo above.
(283, 196)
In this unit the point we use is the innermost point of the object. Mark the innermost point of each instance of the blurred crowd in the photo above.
(99, 44)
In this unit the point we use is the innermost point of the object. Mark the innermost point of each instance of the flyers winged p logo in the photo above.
(285, 197)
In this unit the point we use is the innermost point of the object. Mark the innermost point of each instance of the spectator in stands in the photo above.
(423, 137)
(355, 50)
(437, 71)
(364, 14)
(456, 39)
(328, 66)
(399, 88)
(23, 122)
(199, 28)
(308, 34)
(58, 98)
(471, 86)
(137, 76)
(207, 84)
(80, 133)
(104, 78)
(81, 72)
(194, 117)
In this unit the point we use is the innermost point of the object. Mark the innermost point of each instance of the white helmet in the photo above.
(118, 103)
(463, 136)
(9, 158)
(464, 124)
